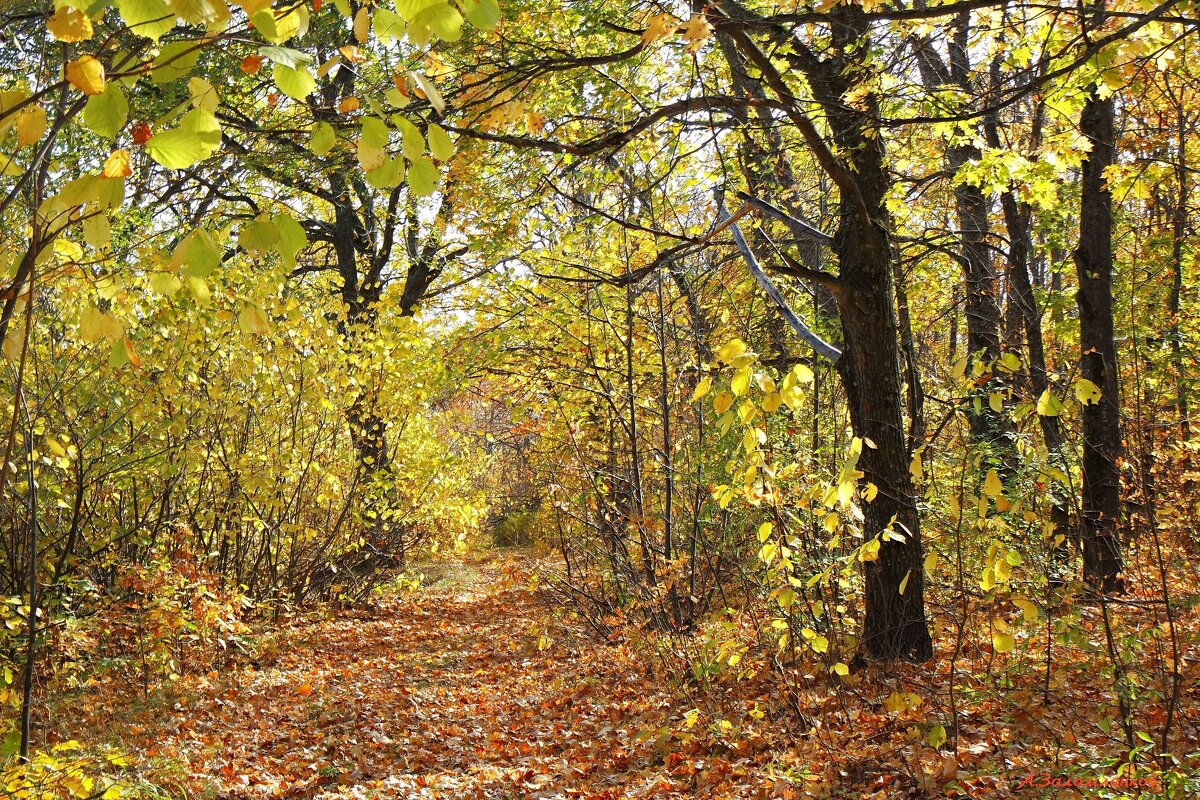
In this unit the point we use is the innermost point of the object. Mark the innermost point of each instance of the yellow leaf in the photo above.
(869, 551)
(535, 123)
(1087, 392)
(991, 484)
(702, 388)
(362, 25)
(213, 13)
(731, 350)
(117, 165)
(203, 95)
(1048, 405)
(70, 25)
(695, 31)
(1003, 642)
(95, 325)
(1029, 609)
(14, 343)
(772, 402)
(86, 74)
(722, 402)
(252, 7)
(659, 26)
(252, 320)
(740, 382)
(31, 124)
(803, 373)
(931, 560)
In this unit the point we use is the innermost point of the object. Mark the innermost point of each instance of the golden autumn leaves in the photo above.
(694, 31)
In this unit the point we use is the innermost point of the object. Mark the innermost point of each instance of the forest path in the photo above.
(442, 693)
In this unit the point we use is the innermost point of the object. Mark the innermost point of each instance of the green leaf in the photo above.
(409, 9)
(296, 83)
(149, 18)
(937, 736)
(412, 144)
(196, 138)
(175, 61)
(483, 14)
(286, 56)
(440, 144)
(258, 235)
(446, 22)
(323, 139)
(387, 176)
(105, 114)
(120, 354)
(422, 177)
(375, 132)
(292, 238)
(198, 255)
(387, 25)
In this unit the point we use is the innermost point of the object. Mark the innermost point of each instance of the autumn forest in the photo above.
(599, 399)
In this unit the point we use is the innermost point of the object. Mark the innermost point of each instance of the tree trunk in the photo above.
(1098, 354)
(895, 626)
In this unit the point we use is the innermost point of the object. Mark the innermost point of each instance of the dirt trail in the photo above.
(441, 694)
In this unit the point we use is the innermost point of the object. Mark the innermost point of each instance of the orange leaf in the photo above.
(117, 165)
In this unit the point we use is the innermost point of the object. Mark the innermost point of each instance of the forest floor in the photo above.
(473, 687)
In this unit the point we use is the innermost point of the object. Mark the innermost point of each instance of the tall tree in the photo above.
(1101, 500)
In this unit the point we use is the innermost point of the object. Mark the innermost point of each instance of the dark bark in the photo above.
(895, 626)
(1098, 353)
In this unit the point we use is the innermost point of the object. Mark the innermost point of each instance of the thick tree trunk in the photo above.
(1098, 354)
(895, 626)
